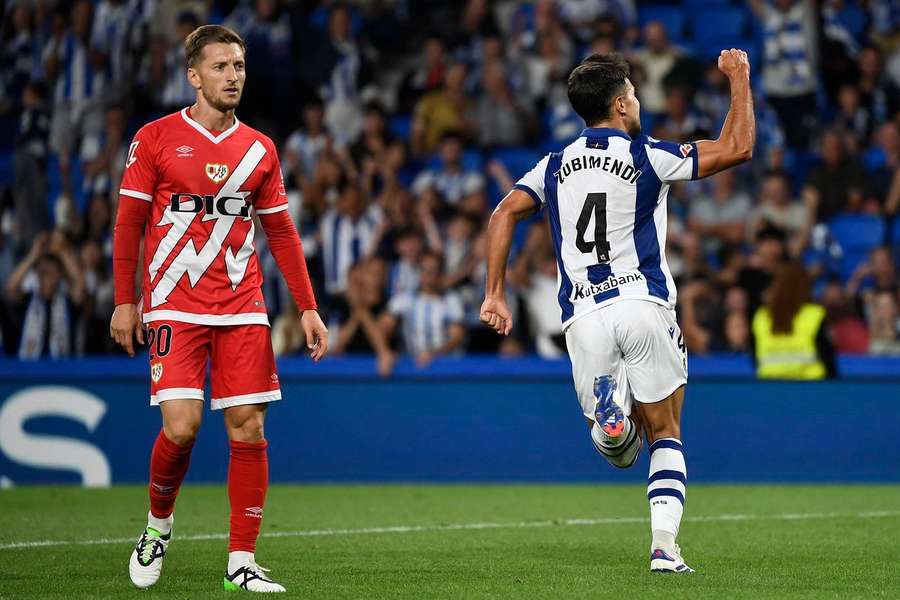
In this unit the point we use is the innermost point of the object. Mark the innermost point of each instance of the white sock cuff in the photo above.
(238, 559)
(162, 525)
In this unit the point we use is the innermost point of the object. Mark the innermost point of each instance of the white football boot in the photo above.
(668, 562)
(252, 578)
(146, 561)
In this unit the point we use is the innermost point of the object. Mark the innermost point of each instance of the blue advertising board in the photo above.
(476, 419)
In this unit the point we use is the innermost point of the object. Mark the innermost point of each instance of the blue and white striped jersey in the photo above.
(606, 196)
(426, 319)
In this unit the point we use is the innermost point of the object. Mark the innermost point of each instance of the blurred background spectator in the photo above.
(401, 124)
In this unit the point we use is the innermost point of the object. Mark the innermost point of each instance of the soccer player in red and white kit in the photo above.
(193, 181)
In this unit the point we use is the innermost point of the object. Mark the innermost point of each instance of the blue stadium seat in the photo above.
(851, 260)
(400, 125)
(858, 232)
(517, 161)
(895, 231)
(672, 17)
(719, 23)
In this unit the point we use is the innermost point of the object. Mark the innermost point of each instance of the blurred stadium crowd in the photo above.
(402, 123)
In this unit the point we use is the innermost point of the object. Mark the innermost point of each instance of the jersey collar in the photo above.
(603, 132)
(215, 139)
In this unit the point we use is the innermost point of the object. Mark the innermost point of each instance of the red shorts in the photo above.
(242, 363)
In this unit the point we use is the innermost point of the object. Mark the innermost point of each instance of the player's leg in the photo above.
(656, 362)
(178, 354)
(602, 388)
(667, 480)
(244, 380)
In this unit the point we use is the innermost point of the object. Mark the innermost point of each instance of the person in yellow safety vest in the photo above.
(790, 336)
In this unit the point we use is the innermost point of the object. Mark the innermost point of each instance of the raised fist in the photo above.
(734, 63)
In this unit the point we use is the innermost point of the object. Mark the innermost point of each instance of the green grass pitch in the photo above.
(466, 541)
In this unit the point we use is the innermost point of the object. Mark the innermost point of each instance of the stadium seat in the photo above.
(400, 125)
(672, 17)
(517, 161)
(719, 23)
(895, 231)
(858, 232)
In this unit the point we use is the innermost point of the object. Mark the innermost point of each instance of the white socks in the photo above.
(238, 559)
(666, 491)
(163, 526)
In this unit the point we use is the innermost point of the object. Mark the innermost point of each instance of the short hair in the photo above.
(595, 82)
(209, 34)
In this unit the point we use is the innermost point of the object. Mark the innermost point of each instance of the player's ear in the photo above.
(194, 78)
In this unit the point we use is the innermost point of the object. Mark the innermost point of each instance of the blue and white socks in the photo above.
(666, 491)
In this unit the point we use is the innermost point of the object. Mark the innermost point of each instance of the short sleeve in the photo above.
(672, 161)
(140, 174)
(271, 196)
(532, 183)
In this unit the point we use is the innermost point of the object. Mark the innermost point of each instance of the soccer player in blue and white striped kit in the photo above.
(606, 198)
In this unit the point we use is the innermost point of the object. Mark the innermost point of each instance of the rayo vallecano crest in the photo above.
(216, 172)
(156, 370)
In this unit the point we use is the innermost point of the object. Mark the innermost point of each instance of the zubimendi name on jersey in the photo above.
(582, 291)
(619, 168)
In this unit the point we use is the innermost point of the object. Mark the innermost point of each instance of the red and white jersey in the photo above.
(200, 264)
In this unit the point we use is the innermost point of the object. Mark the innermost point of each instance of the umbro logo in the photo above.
(253, 511)
(184, 151)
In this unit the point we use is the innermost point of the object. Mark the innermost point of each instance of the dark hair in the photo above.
(209, 34)
(789, 292)
(594, 83)
(452, 135)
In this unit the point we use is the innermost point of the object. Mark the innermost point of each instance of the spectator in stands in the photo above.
(768, 254)
(360, 332)
(877, 273)
(721, 217)
(18, 57)
(837, 185)
(104, 153)
(425, 76)
(403, 277)
(736, 333)
(847, 329)
(431, 318)
(343, 110)
(170, 65)
(701, 316)
(882, 163)
(305, 146)
(98, 300)
(790, 64)
(29, 165)
(776, 208)
(347, 236)
(442, 111)
(79, 83)
(48, 288)
(790, 336)
(534, 273)
(680, 122)
(656, 60)
(451, 182)
(111, 43)
(879, 95)
(852, 120)
(501, 119)
(547, 67)
(884, 326)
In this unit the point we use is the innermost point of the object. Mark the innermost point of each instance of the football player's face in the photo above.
(632, 110)
(220, 75)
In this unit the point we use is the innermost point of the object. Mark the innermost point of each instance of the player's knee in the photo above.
(182, 433)
(246, 427)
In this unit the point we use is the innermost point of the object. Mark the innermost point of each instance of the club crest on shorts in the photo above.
(216, 172)
(156, 370)
(685, 149)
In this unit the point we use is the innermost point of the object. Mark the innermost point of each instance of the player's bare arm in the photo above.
(735, 143)
(517, 205)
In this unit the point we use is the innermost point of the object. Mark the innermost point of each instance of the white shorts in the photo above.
(638, 343)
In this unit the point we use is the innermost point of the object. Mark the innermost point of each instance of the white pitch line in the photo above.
(468, 527)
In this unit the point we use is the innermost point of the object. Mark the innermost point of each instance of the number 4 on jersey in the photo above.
(595, 204)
